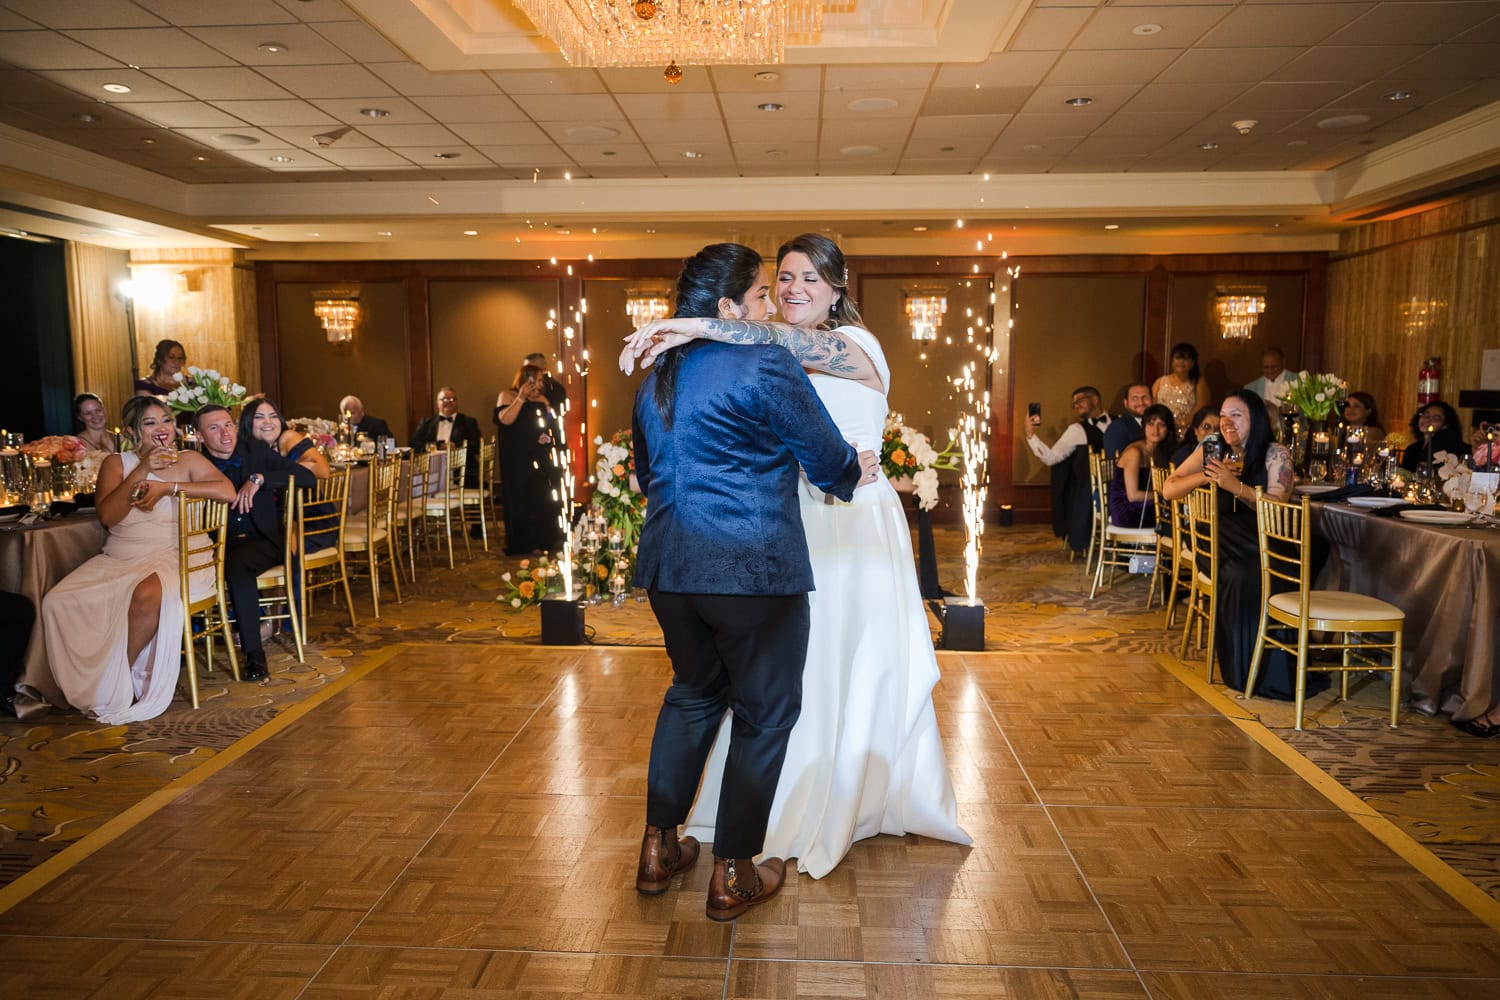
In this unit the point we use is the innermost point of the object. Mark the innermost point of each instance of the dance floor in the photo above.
(462, 820)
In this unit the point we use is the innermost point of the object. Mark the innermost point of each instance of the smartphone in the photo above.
(1033, 409)
(139, 493)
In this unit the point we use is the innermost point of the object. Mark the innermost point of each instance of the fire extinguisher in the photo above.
(1428, 381)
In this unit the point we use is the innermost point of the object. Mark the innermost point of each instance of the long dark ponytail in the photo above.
(718, 271)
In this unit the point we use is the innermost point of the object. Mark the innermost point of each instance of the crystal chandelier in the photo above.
(924, 310)
(643, 305)
(659, 32)
(339, 314)
(1238, 309)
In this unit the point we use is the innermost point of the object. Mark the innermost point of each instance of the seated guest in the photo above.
(91, 423)
(1130, 502)
(1126, 428)
(1205, 422)
(259, 421)
(1072, 507)
(113, 626)
(448, 426)
(255, 530)
(17, 617)
(1183, 389)
(1274, 379)
(1361, 420)
(166, 362)
(1434, 428)
(372, 427)
(1255, 460)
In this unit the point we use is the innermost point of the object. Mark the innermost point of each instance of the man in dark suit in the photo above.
(363, 423)
(1068, 458)
(256, 531)
(446, 426)
(724, 559)
(1126, 429)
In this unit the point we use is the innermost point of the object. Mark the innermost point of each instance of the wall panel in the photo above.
(481, 330)
(314, 374)
(100, 329)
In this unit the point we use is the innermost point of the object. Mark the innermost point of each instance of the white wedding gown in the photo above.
(864, 757)
(85, 619)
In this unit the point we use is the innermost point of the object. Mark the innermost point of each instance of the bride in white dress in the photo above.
(113, 626)
(865, 757)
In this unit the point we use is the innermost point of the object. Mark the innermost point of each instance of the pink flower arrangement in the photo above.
(63, 449)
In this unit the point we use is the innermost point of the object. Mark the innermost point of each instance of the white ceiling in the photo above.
(962, 87)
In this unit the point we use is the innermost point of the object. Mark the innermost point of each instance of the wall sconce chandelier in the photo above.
(643, 305)
(339, 313)
(1238, 310)
(650, 33)
(924, 311)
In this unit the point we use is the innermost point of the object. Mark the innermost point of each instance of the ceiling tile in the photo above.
(432, 156)
(596, 170)
(969, 101)
(318, 82)
(1037, 163)
(980, 127)
(272, 113)
(773, 129)
(501, 134)
(411, 135)
(1182, 26)
(206, 136)
(372, 157)
(1001, 69)
(775, 153)
(1049, 28)
(781, 167)
(1112, 145)
(906, 76)
(187, 114)
(1112, 66)
(1013, 145)
(84, 13)
(795, 106)
(526, 156)
(597, 134)
(648, 80)
(300, 160)
(1210, 65)
(49, 50)
(1184, 96)
(151, 47)
(302, 45)
(548, 81)
(1106, 98)
(742, 79)
(1041, 127)
(318, 10)
(564, 107)
(958, 146)
(1464, 62)
(306, 137)
(11, 21)
(1157, 124)
(678, 131)
(836, 104)
(1409, 23)
(1356, 63)
(888, 133)
(615, 154)
(360, 41)
(716, 154)
(1096, 163)
(666, 107)
(1486, 33)
(90, 83)
(917, 166)
(1277, 24)
(1286, 97)
(233, 84)
(400, 111)
(412, 80)
(495, 107)
(196, 12)
(843, 166)
(1372, 94)
(1221, 123)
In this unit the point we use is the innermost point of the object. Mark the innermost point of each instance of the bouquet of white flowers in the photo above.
(202, 386)
(1317, 395)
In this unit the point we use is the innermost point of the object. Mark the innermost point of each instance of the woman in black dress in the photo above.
(530, 482)
(1255, 460)
(1434, 428)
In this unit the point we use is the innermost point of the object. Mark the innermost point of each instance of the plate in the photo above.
(1314, 489)
(1447, 518)
(1375, 503)
(7, 518)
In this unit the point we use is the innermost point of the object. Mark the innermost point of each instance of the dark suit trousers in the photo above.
(244, 560)
(727, 652)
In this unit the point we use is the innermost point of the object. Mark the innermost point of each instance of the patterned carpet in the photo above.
(62, 777)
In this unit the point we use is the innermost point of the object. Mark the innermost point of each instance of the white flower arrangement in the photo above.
(202, 386)
(906, 453)
(1316, 395)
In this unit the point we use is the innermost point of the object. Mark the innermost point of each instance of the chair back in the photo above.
(1203, 531)
(458, 460)
(1284, 532)
(416, 479)
(383, 479)
(320, 512)
(1099, 476)
(487, 464)
(200, 550)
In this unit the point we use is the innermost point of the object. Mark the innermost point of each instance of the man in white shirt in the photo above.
(1274, 379)
(1090, 413)
(1072, 506)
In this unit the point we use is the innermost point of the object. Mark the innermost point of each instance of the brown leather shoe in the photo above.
(740, 883)
(662, 856)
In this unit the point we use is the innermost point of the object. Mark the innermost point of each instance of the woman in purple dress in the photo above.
(1130, 504)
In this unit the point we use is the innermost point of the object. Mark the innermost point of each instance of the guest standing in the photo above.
(530, 481)
(551, 387)
(1068, 458)
(166, 362)
(1130, 501)
(1274, 379)
(1183, 389)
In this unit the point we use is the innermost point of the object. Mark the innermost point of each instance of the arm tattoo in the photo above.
(818, 349)
(1283, 473)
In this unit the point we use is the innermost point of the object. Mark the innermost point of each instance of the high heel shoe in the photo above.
(1478, 727)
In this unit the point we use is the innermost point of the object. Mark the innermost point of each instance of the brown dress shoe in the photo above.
(662, 856)
(740, 883)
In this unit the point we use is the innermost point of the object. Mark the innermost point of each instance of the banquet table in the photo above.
(1447, 580)
(33, 558)
(359, 480)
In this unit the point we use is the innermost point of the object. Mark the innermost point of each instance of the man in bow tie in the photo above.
(1072, 508)
(446, 426)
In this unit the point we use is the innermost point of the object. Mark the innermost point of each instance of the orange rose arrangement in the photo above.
(59, 449)
(530, 583)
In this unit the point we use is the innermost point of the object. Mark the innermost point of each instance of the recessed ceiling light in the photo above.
(563, 231)
(1111, 225)
(1400, 95)
(1146, 29)
(1343, 121)
(446, 156)
(375, 112)
(384, 232)
(235, 139)
(691, 154)
(859, 149)
(868, 104)
(1032, 147)
(87, 118)
(315, 234)
(1208, 145)
(946, 149)
(590, 132)
(278, 158)
(1078, 102)
(117, 88)
(471, 232)
(1297, 142)
(767, 76)
(273, 47)
(769, 106)
(775, 152)
(200, 159)
(919, 229)
(147, 140)
(609, 152)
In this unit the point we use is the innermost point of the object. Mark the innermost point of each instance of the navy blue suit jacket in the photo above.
(1122, 432)
(722, 513)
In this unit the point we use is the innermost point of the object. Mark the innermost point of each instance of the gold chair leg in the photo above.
(374, 576)
(234, 657)
(1211, 626)
(390, 552)
(1395, 678)
(1255, 658)
(1187, 619)
(192, 665)
(1301, 675)
(1344, 674)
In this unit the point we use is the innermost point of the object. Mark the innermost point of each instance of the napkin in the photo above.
(1344, 493)
(1395, 511)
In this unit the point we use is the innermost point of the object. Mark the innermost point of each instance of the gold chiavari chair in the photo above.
(1285, 535)
(1203, 595)
(1176, 552)
(447, 501)
(200, 580)
(1117, 544)
(413, 485)
(481, 499)
(315, 524)
(368, 535)
(1098, 485)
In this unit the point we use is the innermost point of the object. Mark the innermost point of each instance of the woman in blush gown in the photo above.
(113, 626)
(865, 756)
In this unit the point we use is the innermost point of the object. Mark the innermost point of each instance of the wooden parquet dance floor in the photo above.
(463, 821)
